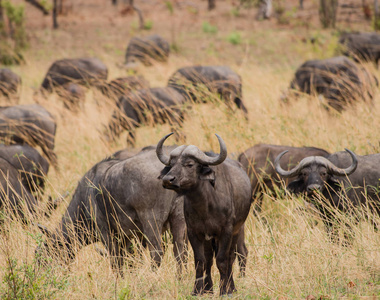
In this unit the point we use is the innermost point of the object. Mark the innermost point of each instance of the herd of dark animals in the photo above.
(199, 196)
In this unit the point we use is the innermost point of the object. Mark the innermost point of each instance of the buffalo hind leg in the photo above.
(114, 244)
(242, 252)
(178, 229)
(152, 234)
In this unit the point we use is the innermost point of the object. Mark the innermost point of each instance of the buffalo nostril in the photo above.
(313, 188)
(169, 179)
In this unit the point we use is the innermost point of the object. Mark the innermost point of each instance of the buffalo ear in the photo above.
(295, 186)
(207, 173)
(164, 171)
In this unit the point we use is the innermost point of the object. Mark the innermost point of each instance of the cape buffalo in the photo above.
(14, 197)
(123, 85)
(217, 79)
(217, 199)
(344, 179)
(258, 163)
(112, 204)
(338, 79)
(146, 49)
(10, 84)
(84, 71)
(156, 105)
(73, 96)
(29, 124)
(31, 166)
(361, 45)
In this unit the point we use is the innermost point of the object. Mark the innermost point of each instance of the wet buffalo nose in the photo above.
(168, 179)
(313, 188)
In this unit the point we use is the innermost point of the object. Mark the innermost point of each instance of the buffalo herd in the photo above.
(201, 197)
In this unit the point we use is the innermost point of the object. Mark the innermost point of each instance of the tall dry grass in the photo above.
(290, 253)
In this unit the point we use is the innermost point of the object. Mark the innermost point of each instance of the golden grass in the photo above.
(289, 255)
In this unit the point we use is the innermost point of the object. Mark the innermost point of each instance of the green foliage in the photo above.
(249, 3)
(170, 7)
(208, 28)
(148, 25)
(125, 293)
(46, 4)
(235, 11)
(10, 48)
(174, 47)
(234, 38)
(8, 56)
(29, 281)
(376, 23)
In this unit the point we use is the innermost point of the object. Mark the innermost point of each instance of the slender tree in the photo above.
(376, 15)
(327, 12)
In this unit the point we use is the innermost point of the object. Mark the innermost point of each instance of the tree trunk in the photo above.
(211, 4)
(265, 10)
(377, 15)
(327, 12)
(38, 5)
(301, 4)
(55, 8)
(1, 13)
(139, 12)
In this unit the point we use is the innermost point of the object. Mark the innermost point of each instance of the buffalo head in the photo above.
(314, 173)
(187, 166)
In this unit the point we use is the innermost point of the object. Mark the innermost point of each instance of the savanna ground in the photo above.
(290, 255)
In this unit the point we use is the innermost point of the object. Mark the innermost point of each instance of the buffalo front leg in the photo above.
(200, 263)
(224, 261)
(209, 254)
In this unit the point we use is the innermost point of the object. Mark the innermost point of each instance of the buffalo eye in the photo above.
(189, 165)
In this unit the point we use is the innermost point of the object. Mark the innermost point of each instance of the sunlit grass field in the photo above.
(290, 254)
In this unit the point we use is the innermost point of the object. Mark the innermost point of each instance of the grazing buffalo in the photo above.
(338, 79)
(147, 49)
(30, 164)
(112, 205)
(217, 79)
(84, 71)
(123, 85)
(344, 179)
(29, 124)
(73, 95)
(155, 105)
(361, 46)
(10, 84)
(14, 197)
(258, 163)
(217, 199)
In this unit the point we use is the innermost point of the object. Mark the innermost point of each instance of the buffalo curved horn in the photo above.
(281, 171)
(160, 152)
(213, 161)
(345, 172)
(318, 159)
